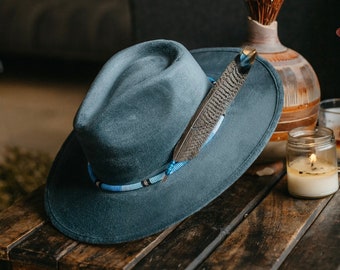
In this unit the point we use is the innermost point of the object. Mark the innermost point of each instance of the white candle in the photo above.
(311, 178)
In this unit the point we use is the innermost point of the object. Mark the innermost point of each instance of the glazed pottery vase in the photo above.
(300, 84)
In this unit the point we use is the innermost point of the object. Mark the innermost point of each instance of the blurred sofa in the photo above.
(77, 29)
(93, 30)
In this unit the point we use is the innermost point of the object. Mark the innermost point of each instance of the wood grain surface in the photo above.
(19, 220)
(265, 238)
(319, 248)
(255, 224)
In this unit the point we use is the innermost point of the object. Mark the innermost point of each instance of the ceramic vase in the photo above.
(300, 84)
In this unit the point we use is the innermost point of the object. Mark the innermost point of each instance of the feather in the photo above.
(214, 106)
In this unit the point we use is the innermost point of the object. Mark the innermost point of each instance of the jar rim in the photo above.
(309, 137)
(328, 105)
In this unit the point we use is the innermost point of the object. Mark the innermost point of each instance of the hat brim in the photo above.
(81, 211)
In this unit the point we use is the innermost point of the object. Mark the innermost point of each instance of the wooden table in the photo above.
(255, 224)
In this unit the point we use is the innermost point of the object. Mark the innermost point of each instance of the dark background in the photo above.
(79, 36)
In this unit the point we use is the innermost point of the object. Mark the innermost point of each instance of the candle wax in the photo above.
(307, 180)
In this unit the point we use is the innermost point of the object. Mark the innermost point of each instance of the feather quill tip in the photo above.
(246, 59)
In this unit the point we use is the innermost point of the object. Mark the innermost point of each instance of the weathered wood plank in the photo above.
(46, 248)
(41, 249)
(19, 220)
(119, 256)
(200, 233)
(320, 246)
(265, 238)
(5, 265)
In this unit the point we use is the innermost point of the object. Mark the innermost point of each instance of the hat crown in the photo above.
(137, 108)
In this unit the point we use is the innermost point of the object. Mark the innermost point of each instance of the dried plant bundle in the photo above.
(264, 11)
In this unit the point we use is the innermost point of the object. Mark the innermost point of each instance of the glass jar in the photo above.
(329, 116)
(311, 162)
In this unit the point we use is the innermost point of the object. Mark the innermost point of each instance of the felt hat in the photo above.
(104, 185)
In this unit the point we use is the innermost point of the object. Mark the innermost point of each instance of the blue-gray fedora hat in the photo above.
(125, 132)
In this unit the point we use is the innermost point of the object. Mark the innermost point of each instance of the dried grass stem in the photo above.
(264, 11)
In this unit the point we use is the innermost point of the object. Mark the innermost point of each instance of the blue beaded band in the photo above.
(172, 167)
(120, 188)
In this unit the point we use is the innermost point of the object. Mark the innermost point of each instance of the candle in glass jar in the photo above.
(311, 177)
(311, 162)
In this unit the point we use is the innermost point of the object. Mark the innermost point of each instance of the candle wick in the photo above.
(312, 166)
(312, 159)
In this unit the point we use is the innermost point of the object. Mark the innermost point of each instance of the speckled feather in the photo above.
(213, 106)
